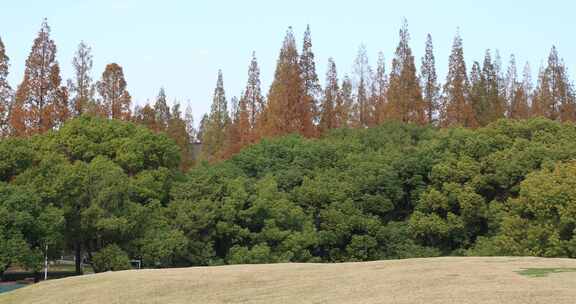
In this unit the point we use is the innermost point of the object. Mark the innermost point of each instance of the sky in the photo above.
(180, 45)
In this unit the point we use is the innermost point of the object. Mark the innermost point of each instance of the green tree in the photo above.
(361, 110)
(541, 222)
(344, 104)
(214, 134)
(162, 111)
(328, 116)
(254, 100)
(312, 88)
(82, 88)
(457, 109)
(495, 101)
(429, 79)
(379, 90)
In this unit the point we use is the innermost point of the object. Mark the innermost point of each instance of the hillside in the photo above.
(430, 280)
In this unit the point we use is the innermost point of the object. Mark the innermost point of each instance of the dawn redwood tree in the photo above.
(378, 92)
(145, 116)
(477, 93)
(519, 107)
(288, 110)
(202, 128)
(40, 103)
(328, 114)
(5, 92)
(312, 88)
(429, 80)
(361, 110)
(253, 99)
(511, 84)
(404, 93)
(189, 119)
(554, 98)
(114, 98)
(344, 104)
(457, 109)
(238, 133)
(494, 98)
(215, 129)
(176, 129)
(162, 111)
(81, 88)
(520, 99)
(542, 97)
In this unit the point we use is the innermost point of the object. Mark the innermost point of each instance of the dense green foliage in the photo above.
(112, 191)
(110, 258)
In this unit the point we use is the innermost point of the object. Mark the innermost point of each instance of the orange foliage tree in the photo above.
(114, 98)
(40, 103)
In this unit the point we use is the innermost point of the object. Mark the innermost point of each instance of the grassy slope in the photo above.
(435, 280)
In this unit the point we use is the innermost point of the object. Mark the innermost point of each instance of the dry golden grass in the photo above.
(426, 281)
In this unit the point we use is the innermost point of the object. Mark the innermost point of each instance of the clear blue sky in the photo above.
(181, 44)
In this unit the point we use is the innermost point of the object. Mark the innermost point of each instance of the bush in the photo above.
(110, 258)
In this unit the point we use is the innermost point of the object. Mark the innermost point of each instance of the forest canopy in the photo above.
(112, 190)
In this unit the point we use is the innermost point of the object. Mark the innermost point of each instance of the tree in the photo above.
(176, 129)
(189, 119)
(288, 109)
(540, 222)
(404, 94)
(82, 88)
(511, 83)
(429, 79)
(378, 92)
(162, 111)
(202, 127)
(27, 227)
(328, 112)
(214, 134)
(477, 93)
(542, 98)
(5, 92)
(494, 92)
(456, 108)
(40, 103)
(554, 98)
(239, 131)
(344, 104)
(111, 258)
(519, 107)
(101, 174)
(519, 92)
(312, 88)
(253, 99)
(114, 98)
(146, 116)
(362, 110)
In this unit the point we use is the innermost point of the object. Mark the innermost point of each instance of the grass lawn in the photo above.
(458, 280)
(543, 272)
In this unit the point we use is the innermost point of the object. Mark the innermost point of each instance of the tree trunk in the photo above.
(78, 257)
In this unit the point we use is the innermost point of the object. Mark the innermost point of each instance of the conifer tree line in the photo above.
(469, 97)
(42, 102)
(296, 101)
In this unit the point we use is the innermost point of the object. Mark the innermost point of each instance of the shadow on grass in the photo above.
(542, 272)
